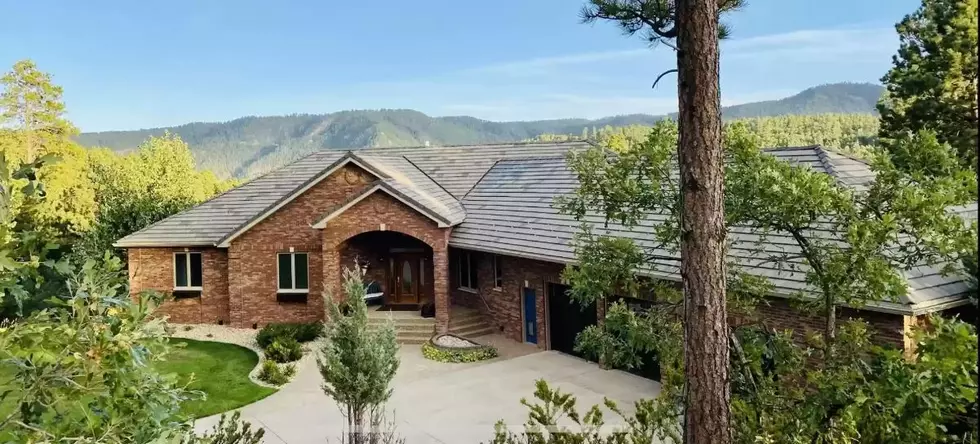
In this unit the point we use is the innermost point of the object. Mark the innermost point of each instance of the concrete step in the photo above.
(405, 338)
(402, 321)
(408, 328)
(466, 323)
(474, 331)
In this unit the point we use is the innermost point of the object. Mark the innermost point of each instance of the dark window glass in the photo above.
(180, 270)
(498, 272)
(460, 266)
(472, 265)
(196, 272)
(285, 272)
(302, 271)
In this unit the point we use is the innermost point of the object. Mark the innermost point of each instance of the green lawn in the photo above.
(220, 371)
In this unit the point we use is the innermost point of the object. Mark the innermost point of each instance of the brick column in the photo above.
(236, 296)
(331, 271)
(440, 282)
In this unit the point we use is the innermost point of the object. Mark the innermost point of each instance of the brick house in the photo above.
(469, 226)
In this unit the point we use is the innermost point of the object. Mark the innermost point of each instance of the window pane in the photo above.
(473, 265)
(421, 274)
(196, 272)
(302, 271)
(285, 272)
(459, 270)
(407, 277)
(498, 272)
(180, 270)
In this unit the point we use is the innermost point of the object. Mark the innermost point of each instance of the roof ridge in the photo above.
(286, 197)
(482, 176)
(827, 163)
(430, 178)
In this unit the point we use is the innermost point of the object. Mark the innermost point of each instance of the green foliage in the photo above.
(933, 81)
(357, 363)
(656, 19)
(446, 354)
(276, 374)
(138, 189)
(900, 221)
(854, 134)
(228, 431)
(548, 418)
(284, 350)
(82, 369)
(297, 331)
(862, 393)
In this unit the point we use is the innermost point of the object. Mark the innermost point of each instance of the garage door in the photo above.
(566, 319)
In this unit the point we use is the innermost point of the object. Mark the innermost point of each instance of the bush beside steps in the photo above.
(477, 352)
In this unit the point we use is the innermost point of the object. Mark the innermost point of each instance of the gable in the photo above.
(292, 222)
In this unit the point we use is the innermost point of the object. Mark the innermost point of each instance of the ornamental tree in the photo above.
(357, 363)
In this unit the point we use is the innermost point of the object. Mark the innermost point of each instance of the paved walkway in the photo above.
(445, 403)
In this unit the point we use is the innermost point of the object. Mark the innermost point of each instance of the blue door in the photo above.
(530, 317)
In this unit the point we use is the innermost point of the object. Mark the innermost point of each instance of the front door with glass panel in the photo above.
(407, 280)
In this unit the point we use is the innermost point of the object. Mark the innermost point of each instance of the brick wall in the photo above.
(153, 269)
(380, 212)
(782, 314)
(505, 304)
(252, 256)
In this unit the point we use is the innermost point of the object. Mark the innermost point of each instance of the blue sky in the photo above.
(128, 65)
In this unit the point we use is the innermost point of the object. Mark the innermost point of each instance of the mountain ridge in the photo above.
(250, 145)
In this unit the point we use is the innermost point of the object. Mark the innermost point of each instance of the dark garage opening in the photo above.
(566, 318)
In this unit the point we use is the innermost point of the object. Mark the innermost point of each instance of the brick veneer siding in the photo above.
(252, 256)
(505, 304)
(781, 314)
(505, 307)
(153, 269)
(380, 212)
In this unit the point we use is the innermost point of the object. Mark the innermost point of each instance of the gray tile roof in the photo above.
(510, 212)
(455, 169)
(501, 198)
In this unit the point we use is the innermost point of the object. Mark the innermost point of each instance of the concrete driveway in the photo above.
(444, 403)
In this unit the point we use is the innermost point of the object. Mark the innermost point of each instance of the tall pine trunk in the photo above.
(703, 225)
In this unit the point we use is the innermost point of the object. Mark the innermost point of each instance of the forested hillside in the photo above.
(249, 146)
(853, 134)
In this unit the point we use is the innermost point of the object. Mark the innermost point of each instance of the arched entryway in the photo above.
(396, 265)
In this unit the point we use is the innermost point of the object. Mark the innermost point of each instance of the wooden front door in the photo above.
(406, 279)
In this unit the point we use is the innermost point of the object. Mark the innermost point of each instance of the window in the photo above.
(187, 271)
(294, 273)
(466, 267)
(498, 272)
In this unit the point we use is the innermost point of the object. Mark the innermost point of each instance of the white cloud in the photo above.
(808, 43)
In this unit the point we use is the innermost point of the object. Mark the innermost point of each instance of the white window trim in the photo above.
(188, 265)
(459, 272)
(292, 266)
(497, 271)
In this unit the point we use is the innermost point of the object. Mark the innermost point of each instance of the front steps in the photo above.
(410, 328)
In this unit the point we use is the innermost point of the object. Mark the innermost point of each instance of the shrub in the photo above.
(301, 332)
(284, 350)
(446, 354)
(275, 374)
